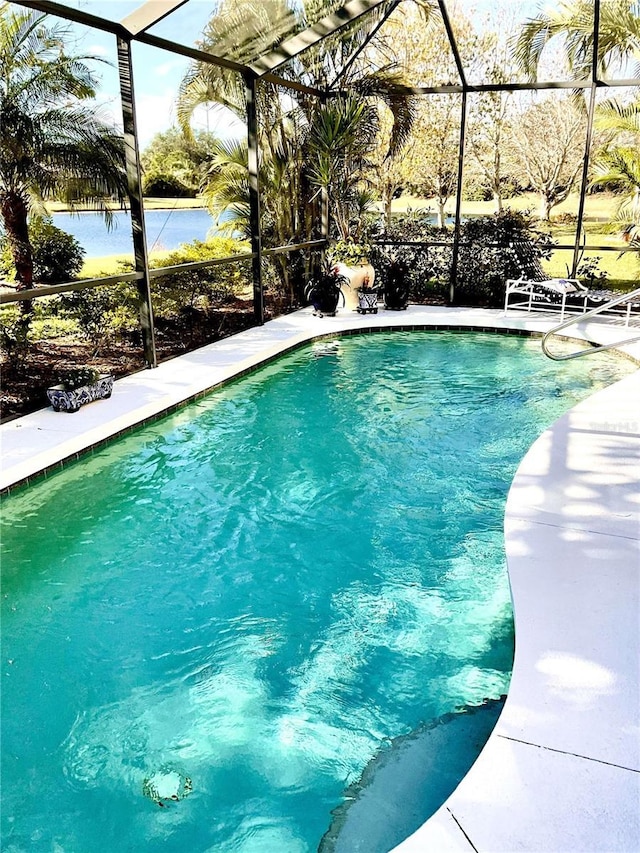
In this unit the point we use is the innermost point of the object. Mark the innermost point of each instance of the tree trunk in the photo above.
(545, 207)
(14, 213)
(497, 201)
(387, 210)
(442, 216)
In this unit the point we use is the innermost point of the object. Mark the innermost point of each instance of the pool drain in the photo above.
(166, 786)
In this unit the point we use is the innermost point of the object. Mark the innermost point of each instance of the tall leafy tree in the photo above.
(430, 162)
(490, 114)
(171, 163)
(547, 142)
(616, 166)
(53, 142)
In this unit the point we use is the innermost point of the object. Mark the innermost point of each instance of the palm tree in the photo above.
(296, 130)
(618, 38)
(618, 166)
(52, 145)
(339, 143)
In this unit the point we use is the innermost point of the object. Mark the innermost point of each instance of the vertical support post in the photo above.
(456, 226)
(587, 144)
(254, 197)
(134, 182)
(324, 202)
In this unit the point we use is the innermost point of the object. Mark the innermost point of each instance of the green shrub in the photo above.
(428, 266)
(487, 257)
(565, 219)
(57, 256)
(589, 272)
(102, 313)
(79, 377)
(201, 288)
(14, 333)
(477, 192)
(166, 186)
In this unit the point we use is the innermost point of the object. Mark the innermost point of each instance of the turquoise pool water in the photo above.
(246, 602)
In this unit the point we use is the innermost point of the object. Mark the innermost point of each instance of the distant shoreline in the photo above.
(54, 207)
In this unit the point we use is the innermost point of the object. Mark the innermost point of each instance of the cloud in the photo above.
(155, 113)
(165, 68)
(218, 120)
(98, 50)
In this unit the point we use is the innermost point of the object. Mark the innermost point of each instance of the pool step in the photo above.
(408, 780)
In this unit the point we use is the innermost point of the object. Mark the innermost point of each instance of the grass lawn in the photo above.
(110, 264)
(623, 271)
(598, 208)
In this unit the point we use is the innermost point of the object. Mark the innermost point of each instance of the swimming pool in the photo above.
(261, 592)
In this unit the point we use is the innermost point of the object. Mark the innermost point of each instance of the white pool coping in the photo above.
(561, 771)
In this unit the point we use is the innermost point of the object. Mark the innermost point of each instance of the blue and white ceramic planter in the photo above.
(70, 401)
(367, 301)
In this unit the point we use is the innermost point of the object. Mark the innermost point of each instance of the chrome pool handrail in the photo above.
(577, 318)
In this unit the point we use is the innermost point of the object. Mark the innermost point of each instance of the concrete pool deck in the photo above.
(561, 771)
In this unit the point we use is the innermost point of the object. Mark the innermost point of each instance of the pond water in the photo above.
(245, 604)
(166, 229)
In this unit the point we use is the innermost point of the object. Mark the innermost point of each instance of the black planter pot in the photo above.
(324, 293)
(396, 291)
(326, 301)
(396, 299)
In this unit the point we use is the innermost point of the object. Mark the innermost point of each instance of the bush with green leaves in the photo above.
(204, 287)
(589, 272)
(428, 266)
(492, 250)
(79, 377)
(57, 256)
(14, 333)
(166, 186)
(102, 313)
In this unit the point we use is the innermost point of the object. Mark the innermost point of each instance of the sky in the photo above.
(157, 73)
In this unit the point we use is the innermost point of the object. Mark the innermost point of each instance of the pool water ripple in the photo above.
(263, 591)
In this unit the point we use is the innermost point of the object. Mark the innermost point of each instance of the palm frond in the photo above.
(389, 87)
(618, 41)
(612, 115)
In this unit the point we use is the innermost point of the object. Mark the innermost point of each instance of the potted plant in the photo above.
(396, 287)
(352, 261)
(325, 290)
(78, 387)
(367, 297)
(350, 253)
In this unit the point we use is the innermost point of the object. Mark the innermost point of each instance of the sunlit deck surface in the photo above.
(561, 771)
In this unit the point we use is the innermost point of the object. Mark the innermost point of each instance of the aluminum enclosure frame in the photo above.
(135, 28)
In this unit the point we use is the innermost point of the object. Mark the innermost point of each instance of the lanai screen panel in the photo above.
(109, 10)
(616, 28)
(490, 39)
(415, 39)
(240, 30)
(350, 53)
